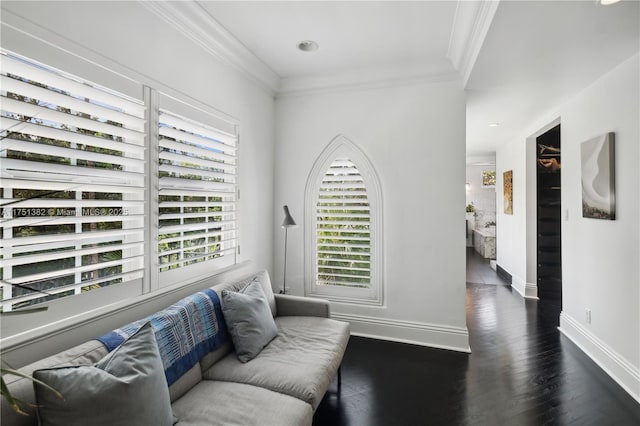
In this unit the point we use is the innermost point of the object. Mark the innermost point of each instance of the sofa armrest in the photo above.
(287, 305)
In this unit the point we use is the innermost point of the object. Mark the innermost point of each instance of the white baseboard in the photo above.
(417, 333)
(622, 371)
(526, 290)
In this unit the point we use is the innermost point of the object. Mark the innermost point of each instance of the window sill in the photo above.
(142, 304)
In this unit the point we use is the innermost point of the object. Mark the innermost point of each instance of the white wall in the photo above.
(600, 258)
(510, 235)
(127, 38)
(414, 136)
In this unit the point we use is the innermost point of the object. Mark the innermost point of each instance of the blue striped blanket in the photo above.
(185, 332)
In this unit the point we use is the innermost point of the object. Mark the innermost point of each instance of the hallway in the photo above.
(479, 271)
(539, 375)
(522, 372)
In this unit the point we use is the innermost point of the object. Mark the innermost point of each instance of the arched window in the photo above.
(343, 239)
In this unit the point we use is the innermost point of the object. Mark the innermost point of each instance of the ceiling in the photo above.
(517, 59)
(538, 54)
(351, 35)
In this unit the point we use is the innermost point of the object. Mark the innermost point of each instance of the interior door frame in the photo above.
(531, 219)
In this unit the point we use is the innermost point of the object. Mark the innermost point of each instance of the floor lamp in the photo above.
(287, 223)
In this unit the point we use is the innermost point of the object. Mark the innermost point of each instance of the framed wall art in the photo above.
(508, 192)
(597, 157)
(488, 178)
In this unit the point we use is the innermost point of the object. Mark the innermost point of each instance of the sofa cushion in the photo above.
(248, 319)
(124, 388)
(301, 361)
(241, 283)
(212, 357)
(214, 403)
(185, 382)
(21, 388)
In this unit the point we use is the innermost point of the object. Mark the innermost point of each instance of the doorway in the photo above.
(549, 241)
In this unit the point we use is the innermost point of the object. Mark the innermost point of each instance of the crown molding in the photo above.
(470, 27)
(194, 22)
(364, 79)
(471, 24)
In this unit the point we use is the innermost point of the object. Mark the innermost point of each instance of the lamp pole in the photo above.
(284, 277)
(287, 223)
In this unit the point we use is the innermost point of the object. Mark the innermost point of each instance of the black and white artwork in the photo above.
(598, 177)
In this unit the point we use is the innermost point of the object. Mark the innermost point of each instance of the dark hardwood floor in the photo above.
(522, 372)
(478, 270)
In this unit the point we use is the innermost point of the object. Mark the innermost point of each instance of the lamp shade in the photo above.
(288, 221)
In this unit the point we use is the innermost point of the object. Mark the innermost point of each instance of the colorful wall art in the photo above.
(508, 192)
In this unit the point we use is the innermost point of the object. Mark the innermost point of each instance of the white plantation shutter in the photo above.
(343, 239)
(198, 193)
(73, 184)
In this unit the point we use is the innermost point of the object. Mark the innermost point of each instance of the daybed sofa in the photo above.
(281, 386)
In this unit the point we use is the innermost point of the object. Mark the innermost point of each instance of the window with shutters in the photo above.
(73, 185)
(197, 192)
(343, 208)
(105, 190)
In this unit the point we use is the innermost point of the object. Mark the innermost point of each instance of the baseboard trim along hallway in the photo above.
(413, 332)
(528, 290)
(620, 370)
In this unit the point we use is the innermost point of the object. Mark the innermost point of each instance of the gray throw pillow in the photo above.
(127, 387)
(249, 320)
